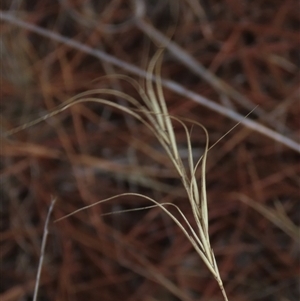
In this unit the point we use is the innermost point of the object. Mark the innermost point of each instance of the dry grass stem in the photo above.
(43, 247)
(253, 125)
(134, 149)
(155, 116)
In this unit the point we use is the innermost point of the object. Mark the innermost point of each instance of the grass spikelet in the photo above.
(153, 113)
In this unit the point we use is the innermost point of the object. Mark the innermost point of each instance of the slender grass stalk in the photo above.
(43, 246)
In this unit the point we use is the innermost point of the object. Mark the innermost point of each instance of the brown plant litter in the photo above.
(83, 120)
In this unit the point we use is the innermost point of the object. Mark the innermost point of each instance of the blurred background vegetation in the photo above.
(248, 55)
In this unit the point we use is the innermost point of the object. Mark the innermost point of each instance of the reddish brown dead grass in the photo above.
(91, 152)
